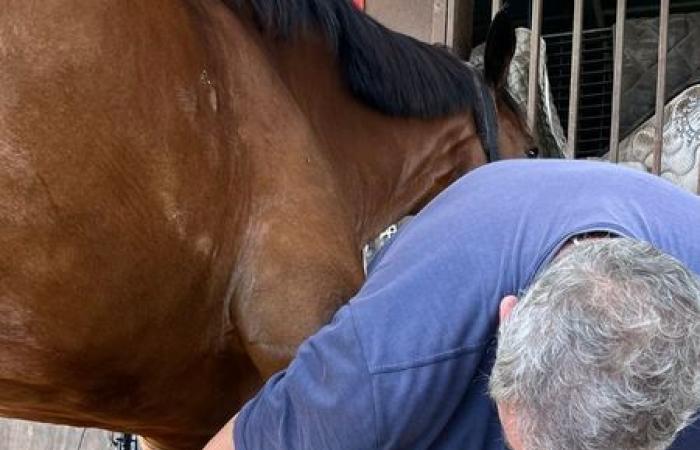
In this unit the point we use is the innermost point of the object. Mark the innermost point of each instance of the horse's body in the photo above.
(183, 199)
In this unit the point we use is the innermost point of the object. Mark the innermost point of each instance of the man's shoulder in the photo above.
(427, 372)
(419, 308)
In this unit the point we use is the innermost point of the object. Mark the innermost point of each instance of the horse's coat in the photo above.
(184, 194)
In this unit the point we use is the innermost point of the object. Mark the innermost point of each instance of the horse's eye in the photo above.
(534, 152)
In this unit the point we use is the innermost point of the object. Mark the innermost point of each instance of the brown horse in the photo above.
(185, 187)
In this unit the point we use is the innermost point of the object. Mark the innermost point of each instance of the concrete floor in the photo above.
(21, 435)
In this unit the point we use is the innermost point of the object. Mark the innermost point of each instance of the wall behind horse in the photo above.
(434, 21)
(413, 17)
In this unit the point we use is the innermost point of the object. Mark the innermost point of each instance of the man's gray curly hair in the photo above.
(603, 350)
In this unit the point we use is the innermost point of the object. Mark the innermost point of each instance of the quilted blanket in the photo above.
(680, 159)
(639, 65)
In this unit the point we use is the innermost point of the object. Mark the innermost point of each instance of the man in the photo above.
(601, 351)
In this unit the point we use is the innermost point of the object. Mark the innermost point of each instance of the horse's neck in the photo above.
(386, 166)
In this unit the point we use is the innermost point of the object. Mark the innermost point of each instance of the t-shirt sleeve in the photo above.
(322, 401)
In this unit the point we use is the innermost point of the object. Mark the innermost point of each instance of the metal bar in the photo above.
(617, 81)
(575, 76)
(586, 32)
(678, 5)
(439, 31)
(599, 117)
(589, 141)
(533, 81)
(587, 49)
(589, 84)
(661, 86)
(495, 7)
(596, 107)
(584, 50)
(450, 23)
(593, 72)
(604, 59)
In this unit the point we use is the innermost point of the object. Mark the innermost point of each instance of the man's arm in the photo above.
(224, 438)
(323, 400)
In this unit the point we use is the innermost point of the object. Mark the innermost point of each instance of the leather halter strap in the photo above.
(485, 117)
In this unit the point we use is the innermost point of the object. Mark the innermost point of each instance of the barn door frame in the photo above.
(451, 23)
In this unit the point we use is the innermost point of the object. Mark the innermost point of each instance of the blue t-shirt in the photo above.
(405, 364)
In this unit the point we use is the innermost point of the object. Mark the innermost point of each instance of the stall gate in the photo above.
(575, 88)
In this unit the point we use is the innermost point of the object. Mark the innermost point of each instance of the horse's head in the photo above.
(514, 139)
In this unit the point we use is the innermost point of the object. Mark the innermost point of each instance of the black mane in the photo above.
(389, 71)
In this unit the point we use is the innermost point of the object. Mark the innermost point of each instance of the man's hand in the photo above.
(224, 438)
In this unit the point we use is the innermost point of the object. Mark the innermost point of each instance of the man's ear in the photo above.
(500, 47)
(507, 305)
